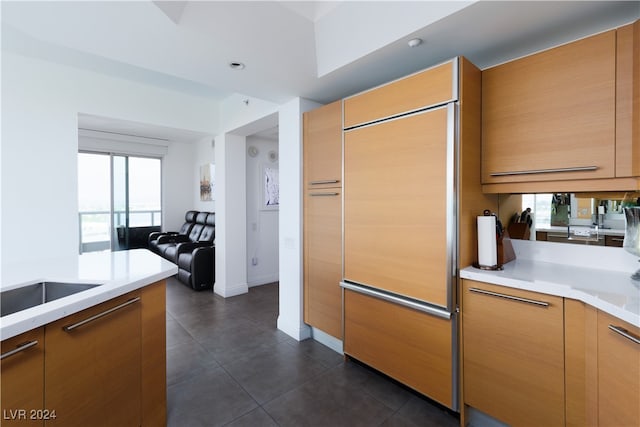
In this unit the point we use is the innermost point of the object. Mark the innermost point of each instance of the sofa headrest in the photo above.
(201, 218)
(211, 219)
(190, 216)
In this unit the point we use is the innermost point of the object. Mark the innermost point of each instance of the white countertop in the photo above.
(116, 272)
(598, 276)
(601, 231)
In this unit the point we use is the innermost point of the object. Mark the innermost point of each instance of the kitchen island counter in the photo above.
(116, 272)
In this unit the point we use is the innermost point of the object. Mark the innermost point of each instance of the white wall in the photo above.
(262, 224)
(177, 178)
(204, 154)
(41, 103)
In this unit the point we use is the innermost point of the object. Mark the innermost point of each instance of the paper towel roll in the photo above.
(487, 245)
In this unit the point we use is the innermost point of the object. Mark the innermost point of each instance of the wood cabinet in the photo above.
(563, 119)
(93, 370)
(413, 347)
(322, 152)
(22, 372)
(618, 372)
(513, 354)
(434, 86)
(323, 218)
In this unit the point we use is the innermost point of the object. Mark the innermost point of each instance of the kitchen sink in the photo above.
(29, 296)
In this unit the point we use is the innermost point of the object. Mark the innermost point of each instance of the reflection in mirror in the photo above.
(585, 218)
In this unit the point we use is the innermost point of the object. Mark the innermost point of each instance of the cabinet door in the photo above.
(396, 230)
(154, 355)
(618, 372)
(22, 372)
(323, 146)
(552, 110)
(413, 347)
(323, 260)
(92, 372)
(434, 86)
(513, 354)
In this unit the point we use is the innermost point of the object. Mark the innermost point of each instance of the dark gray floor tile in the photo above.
(419, 412)
(212, 398)
(271, 372)
(176, 334)
(318, 352)
(256, 418)
(186, 360)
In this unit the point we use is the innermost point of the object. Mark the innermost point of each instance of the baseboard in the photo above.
(263, 280)
(295, 330)
(327, 340)
(231, 291)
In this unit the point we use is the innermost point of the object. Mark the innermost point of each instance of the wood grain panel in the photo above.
(553, 109)
(618, 375)
(22, 379)
(513, 356)
(628, 100)
(323, 260)
(566, 186)
(322, 139)
(410, 346)
(92, 374)
(581, 364)
(395, 206)
(154, 355)
(429, 87)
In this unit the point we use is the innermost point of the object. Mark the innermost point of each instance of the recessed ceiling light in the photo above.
(415, 42)
(236, 65)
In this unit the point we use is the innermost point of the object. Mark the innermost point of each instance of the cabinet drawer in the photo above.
(412, 347)
(434, 86)
(513, 354)
(615, 241)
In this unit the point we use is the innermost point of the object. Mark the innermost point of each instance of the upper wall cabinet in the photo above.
(323, 146)
(434, 86)
(564, 117)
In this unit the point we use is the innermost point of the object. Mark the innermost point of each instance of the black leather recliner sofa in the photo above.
(194, 253)
(189, 221)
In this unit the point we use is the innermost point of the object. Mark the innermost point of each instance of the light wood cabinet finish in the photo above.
(22, 378)
(154, 355)
(412, 347)
(628, 100)
(513, 355)
(430, 87)
(618, 374)
(322, 136)
(323, 260)
(395, 234)
(93, 373)
(581, 364)
(552, 110)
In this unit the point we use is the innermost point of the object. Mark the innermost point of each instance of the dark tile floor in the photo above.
(228, 364)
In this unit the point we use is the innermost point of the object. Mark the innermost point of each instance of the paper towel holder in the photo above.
(504, 248)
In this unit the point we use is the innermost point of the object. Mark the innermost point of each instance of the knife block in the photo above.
(505, 249)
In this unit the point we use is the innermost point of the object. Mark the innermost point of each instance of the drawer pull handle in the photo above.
(21, 347)
(625, 333)
(69, 328)
(325, 181)
(510, 297)
(617, 239)
(323, 194)
(537, 171)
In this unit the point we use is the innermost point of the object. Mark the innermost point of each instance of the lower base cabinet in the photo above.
(410, 346)
(22, 379)
(618, 373)
(103, 366)
(513, 354)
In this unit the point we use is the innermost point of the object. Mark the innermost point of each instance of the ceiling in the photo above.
(319, 50)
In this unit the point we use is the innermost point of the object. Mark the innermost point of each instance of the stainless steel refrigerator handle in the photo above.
(99, 315)
(625, 333)
(325, 181)
(323, 194)
(510, 297)
(441, 313)
(21, 347)
(537, 171)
